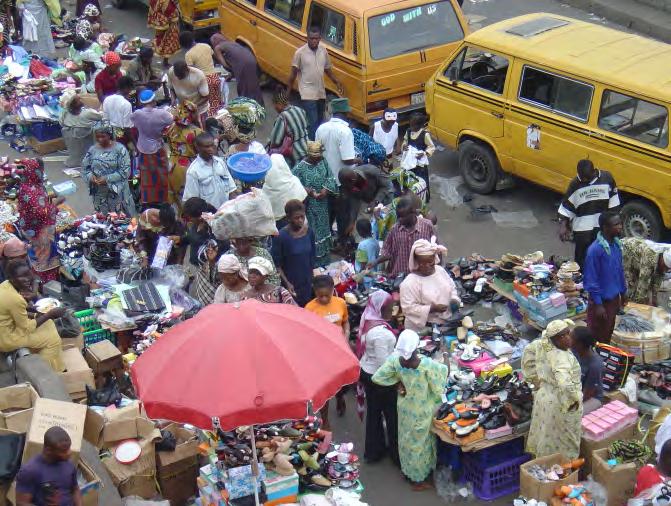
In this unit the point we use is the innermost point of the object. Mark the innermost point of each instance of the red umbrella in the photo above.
(251, 364)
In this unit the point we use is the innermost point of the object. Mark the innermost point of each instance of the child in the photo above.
(368, 249)
(419, 138)
(333, 309)
(385, 132)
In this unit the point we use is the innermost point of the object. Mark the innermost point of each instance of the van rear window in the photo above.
(410, 30)
(636, 118)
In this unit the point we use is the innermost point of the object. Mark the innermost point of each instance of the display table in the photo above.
(478, 445)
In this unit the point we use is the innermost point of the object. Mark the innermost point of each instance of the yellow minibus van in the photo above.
(383, 51)
(532, 95)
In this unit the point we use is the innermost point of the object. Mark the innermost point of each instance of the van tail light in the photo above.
(380, 105)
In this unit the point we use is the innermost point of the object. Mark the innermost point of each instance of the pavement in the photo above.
(523, 219)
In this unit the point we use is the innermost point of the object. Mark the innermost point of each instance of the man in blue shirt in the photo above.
(604, 277)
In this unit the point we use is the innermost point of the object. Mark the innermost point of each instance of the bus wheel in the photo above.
(479, 167)
(641, 219)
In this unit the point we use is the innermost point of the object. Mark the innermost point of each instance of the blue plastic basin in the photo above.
(253, 168)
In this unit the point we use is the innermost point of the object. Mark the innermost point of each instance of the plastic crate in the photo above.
(45, 130)
(496, 481)
(87, 320)
(95, 336)
(498, 453)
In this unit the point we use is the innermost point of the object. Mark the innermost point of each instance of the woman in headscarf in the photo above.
(428, 293)
(375, 344)
(258, 271)
(281, 186)
(181, 136)
(291, 122)
(233, 280)
(163, 17)
(247, 114)
(76, 122)
(37, 219)
(294, 253)
(107, 78)
(557, 413)
(106, 169)
(421, 384)
(319, 183)
(38, 15)
(154, 223)
(245, 248)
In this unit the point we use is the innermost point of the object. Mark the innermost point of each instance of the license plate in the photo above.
(417, 98)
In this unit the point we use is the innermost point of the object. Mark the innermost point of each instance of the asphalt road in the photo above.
(524, 220)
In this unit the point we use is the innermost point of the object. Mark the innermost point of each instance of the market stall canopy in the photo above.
(250, 363)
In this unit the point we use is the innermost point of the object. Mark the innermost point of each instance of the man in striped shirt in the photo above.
(591, 193)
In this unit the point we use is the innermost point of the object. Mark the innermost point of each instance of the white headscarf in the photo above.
(407, 343)
(263, 265)
(229, 264)
(281, 186)
(423, 247)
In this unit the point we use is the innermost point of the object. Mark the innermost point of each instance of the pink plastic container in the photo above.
(477, 365)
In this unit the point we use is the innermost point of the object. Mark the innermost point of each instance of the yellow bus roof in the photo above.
(625, 60)
(358, 7)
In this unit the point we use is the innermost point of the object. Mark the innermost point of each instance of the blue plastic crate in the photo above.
(494, 481)
(45, 130)
(498, 453)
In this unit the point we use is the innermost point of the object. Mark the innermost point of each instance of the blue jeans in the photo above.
(314, 110)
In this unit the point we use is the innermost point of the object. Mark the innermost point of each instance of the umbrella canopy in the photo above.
(251, 364)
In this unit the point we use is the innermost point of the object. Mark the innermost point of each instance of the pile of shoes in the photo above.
(571, 494)
(460, 420)
(555, 472)
(470, 275)
(567, 278)
(653, 379)
(519, 402)
(492, 332)
(508, 266)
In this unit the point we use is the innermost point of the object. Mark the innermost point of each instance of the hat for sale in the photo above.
(146, 96)
(340, 105)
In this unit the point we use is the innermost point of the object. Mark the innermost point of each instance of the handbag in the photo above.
(287, 146)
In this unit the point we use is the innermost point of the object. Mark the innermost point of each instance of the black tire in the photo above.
(479, 167)
(641, 219)
(119, 4)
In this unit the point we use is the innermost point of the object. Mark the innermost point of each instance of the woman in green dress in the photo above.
(315, 175)
(421, 382)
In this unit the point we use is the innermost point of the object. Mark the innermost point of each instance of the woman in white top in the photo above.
(385, 132)
(375, 344)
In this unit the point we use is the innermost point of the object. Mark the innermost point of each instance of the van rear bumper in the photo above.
(403, 113)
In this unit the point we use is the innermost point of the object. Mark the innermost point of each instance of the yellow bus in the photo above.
(532, 95)
(383, 51)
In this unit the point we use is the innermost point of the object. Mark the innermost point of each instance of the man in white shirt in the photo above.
(207, 177)
(116, 108)
(337, 138)
(189, 83)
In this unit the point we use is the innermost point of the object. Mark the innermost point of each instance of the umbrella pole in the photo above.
(255, 468)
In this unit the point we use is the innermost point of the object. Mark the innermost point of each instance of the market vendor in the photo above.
(557, 411)
(145, 74)
(154, 223)
(428, 293)
(76, 122)
(17, 329)
(591, 369)
(107, 78)
(258, 271)
(645, 264)
(233, 280)
(421, 384)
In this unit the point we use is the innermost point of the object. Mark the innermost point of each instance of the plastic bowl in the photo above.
(249, 167)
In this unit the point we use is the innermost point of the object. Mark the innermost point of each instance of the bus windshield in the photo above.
(410, 30)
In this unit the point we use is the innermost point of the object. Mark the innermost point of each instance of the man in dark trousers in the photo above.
(591, 193)
(604, 277)
(50, 478)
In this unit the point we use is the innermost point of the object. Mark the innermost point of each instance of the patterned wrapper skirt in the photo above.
(154, 185)
(166, 43)
(216, 103)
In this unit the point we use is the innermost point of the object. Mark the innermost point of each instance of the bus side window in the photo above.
(289, 10)
(331, 23)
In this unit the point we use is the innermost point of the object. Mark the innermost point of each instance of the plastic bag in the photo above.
(168, 443)
(179, 297)
(596, 490)
(449, 489)
(249, 215)
(172, 276)
(68, 326)
(409, 158)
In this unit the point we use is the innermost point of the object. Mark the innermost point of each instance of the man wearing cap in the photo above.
(337, 138)
(309, 64)
(152, 157)
(645, 264)
(189, 84)
(106, 80)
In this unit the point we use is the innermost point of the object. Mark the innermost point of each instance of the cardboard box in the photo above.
(589, 446)
(73, 342)
(90, 494)
(141, 485)
(77, 374)
(16, 407)
(178, 486)
(94, 429)
(103, 357)
(46, 147)
(619, 481)
(47, 413)
(186, 450)
(541, 491)
(280, 487)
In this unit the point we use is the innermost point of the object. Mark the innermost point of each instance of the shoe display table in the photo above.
(481, 444)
